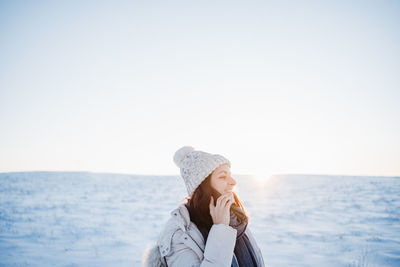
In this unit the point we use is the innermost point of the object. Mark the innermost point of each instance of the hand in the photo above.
(220, 213)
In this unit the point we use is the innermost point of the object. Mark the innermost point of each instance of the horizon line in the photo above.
(238, 174)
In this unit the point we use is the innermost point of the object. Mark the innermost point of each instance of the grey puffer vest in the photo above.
(182, 244)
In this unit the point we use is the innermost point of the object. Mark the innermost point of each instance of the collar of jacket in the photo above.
(189, 234)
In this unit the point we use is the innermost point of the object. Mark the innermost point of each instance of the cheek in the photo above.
(222, 184)
(219, 184)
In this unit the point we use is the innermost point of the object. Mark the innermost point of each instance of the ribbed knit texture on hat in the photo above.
(196, 165)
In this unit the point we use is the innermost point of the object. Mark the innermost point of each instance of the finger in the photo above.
(227, 206)
(224, 201)
(229, 203)
(220, 199)
(212, 203)
(230, 195)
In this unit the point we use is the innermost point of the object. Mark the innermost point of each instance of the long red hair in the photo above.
(199, 210)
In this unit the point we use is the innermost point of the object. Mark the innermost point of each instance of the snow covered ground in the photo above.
(92, 219)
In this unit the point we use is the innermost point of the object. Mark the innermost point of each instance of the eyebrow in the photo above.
(222, 172)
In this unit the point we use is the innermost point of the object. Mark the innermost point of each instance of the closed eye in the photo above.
(223, 177)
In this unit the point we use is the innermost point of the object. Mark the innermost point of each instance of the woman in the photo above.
(211, 228)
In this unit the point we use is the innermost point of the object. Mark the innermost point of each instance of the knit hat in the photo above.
(196, 165)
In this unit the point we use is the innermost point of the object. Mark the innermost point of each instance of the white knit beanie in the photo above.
(196, 165)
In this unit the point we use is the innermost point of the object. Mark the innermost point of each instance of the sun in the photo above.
(261, 175)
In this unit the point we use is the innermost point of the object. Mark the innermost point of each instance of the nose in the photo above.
(232, 181)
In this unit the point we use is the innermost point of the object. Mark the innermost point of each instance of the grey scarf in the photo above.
(235, 216)
(244, 254)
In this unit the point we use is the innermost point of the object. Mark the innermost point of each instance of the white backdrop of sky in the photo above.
(275, 86)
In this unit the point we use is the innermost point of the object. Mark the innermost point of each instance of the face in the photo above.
(221, 179)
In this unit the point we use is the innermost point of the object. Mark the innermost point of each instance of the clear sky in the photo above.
(275, 86)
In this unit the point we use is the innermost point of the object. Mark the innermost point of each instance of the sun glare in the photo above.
(261, 175)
